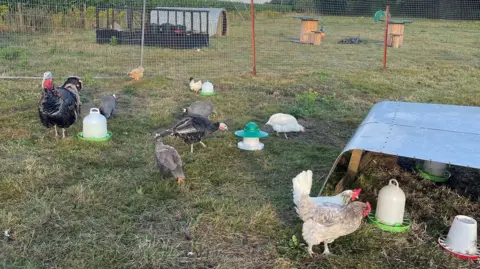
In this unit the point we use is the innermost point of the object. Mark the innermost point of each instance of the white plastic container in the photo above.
(462, 236)
(390, 204)
(207, 87)
(434, 168)
(250, 144)
(94, 125)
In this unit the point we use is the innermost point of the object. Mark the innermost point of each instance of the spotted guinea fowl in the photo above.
(193, 128)
(203, 108)
(107, 105)
(168, 160)
(59, 106)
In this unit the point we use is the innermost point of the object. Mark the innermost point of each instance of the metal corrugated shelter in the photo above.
(433, 132)
(218, 23)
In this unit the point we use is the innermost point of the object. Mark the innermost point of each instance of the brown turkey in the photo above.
(59, 106)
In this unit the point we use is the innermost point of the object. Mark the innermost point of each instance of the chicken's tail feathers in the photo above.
(302, 184)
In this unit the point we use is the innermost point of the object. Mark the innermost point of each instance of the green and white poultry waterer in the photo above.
(207, 89)
(251, 137)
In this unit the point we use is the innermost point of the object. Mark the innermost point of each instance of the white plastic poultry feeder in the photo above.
(251, 137)
(95, 127)
(389, 215)
(207, 89)
(461, 240)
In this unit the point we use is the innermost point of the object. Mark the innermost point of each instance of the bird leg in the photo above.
(203, 144)
(179, 180)
(326, 251)
(63, 132)
(56, 132)
(191, 148)
(310, 251)
(285, 135)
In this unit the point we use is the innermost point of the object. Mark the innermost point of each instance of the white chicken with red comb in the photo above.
(327, 221)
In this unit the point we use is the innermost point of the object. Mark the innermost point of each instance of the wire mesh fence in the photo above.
(213, 38)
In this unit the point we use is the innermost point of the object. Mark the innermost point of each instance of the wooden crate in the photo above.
(396, 29)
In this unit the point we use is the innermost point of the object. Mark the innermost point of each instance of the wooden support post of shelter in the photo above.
(351, 171)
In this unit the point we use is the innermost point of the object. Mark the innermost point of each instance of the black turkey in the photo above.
(59, 106)
(193, 128)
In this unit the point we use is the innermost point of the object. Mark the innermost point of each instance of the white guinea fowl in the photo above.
(284, 123)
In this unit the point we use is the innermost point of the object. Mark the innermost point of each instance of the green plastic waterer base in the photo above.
(207, 93)
(397, 228)
(103, 139)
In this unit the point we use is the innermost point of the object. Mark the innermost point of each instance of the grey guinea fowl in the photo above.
(168, 160)
(107, 105)
(202, 108)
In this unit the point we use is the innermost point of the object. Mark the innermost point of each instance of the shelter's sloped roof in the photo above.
(441, 133)
(444, 133)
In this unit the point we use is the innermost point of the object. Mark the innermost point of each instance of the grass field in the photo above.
(73, 204)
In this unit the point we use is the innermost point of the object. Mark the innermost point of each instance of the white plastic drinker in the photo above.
(390, 204)
(94, 125)
(434, 168)
(207, 87)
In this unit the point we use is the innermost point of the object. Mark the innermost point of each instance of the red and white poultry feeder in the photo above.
(389, 215)
(461, 240)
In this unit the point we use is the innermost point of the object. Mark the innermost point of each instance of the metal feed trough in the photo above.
(172, 34)
(447, 134)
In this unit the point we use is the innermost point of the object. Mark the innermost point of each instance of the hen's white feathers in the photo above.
(324, 222)
(302, 184)
(283, 123)
(195, 86)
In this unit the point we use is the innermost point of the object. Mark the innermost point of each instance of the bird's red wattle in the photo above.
(48, 84)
